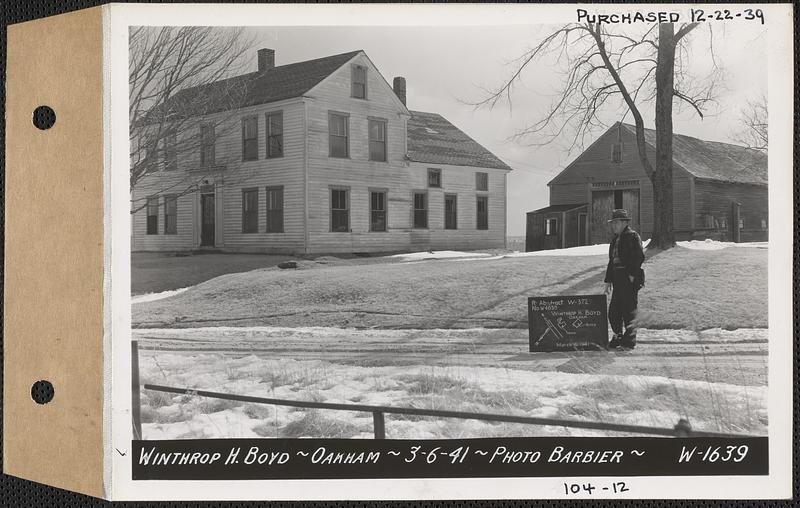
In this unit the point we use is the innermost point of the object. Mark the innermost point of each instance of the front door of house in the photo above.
(207, 220)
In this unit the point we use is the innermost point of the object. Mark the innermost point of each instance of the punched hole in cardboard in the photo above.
(44, 117)
(42, 391)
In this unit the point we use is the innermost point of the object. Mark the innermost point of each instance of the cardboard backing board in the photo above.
(53, 293)
(567, 323)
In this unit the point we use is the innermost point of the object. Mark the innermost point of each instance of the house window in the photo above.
(482, 212)
(171, 215)
(377, 140)
(275, 135)
(434, 177)
(340, 211)
(152, 215)
(359, 82)
(616, 152)
(171, 152)
(763, 224)
(377, 211)
(450, 211)
(551, 227)
(274, 209)
(338, 133)
(250, 138)
(250, 211)
(482, 181)
(207, 155)
(151, 157)
(420, 210)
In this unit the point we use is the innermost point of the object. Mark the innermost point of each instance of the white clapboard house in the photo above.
(319, 156)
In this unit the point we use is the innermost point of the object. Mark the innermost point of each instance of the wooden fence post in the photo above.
(379, 424)
(136, 405)
(683, 428)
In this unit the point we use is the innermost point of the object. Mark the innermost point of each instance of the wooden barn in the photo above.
(719, 192)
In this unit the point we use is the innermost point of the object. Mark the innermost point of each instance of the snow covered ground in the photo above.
(150, 297)
(475, 370)
(633, 399)
(716, 245)
(586, 250)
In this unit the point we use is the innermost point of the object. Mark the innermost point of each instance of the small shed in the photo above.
(556, 227)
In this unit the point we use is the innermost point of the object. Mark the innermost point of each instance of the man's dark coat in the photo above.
(630, 254)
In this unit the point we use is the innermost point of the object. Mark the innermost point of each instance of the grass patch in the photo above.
(314, 424)
(655, 403)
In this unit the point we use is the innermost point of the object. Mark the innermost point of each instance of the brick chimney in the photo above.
(399, 86)
(266, 59)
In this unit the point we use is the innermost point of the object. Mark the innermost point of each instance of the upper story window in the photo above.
(359, 82)
(250, 138)
(151, 156)
(338, 133)
(377, 140)
(482, 181)
(275, 134)
(616, 152)
(207, 155)
(171, 152)
(434, 177)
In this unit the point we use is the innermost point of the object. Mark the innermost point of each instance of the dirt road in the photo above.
(737, 357)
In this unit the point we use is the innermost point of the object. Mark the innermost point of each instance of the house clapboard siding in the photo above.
(307, 172)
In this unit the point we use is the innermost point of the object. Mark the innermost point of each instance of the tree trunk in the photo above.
(663, 234)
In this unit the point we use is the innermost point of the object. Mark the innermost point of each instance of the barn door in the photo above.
(602, 205)
(630, 202)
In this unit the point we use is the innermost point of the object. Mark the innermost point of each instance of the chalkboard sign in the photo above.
(567, 323)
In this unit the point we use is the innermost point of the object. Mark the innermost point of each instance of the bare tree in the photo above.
(604, 70)
(753, 126)
(178, 78)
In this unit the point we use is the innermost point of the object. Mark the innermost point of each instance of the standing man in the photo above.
(624, 278)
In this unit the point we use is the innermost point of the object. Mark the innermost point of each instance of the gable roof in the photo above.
(260, 87)
(713, 160)
(432, 139)
(559, 208)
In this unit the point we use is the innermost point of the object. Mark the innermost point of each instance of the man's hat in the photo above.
(619, 214)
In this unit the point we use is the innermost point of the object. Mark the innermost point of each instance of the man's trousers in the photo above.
(622, 310)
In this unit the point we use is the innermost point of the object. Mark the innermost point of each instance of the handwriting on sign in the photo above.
(567, 323)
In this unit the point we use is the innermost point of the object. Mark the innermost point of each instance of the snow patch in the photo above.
(441, 254)
(709, 244)
(150, 297)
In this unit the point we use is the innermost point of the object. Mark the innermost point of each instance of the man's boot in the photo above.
(628, 340)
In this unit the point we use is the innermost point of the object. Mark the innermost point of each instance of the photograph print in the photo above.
(444, 232)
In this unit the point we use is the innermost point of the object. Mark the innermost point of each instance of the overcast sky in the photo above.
(445, 67)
